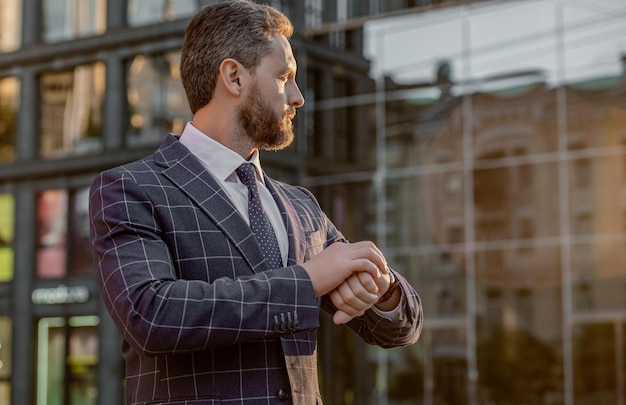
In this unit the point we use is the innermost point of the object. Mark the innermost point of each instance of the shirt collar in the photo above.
(217, 158)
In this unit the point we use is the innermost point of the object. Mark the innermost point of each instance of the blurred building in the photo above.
(481, 144)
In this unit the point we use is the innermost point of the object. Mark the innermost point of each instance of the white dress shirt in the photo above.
(221, 162)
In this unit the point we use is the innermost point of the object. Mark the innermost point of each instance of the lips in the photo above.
(290, 114)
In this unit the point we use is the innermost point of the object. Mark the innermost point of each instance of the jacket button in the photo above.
(282, 394)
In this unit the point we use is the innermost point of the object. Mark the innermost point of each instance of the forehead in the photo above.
(280, 55)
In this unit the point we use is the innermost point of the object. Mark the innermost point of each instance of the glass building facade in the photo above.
(480, 144)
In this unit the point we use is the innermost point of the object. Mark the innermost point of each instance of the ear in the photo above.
(230, 76)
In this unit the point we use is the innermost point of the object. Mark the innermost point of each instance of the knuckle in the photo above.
(352, 301)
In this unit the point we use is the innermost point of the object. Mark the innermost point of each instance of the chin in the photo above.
(279, 144)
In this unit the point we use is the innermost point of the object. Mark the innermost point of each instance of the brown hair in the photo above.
(240, 29)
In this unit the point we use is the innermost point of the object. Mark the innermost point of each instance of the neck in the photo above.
(215, 125)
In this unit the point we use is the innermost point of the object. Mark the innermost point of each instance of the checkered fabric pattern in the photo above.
(259, 221)
(204, 319)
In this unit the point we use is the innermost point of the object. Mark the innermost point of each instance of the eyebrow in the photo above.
(289, 68)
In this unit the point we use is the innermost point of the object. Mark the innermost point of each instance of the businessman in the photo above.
(215, 273)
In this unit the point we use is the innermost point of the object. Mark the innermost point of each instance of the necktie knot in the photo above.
(245, 172)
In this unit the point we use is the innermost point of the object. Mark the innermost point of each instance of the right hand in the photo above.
(335, 264)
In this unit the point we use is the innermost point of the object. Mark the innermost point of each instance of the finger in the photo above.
(351, 301)
(368, 282)
(367, 266)
(339, 303)
(341, 317)
(370, 251)
(361, 291)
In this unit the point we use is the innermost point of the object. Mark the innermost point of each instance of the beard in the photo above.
(261, 125)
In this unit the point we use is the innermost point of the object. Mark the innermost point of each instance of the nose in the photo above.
(296, 99)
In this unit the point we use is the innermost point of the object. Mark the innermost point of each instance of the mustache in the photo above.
(290, 113)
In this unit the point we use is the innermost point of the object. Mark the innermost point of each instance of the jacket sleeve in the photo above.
(371, 327)
(158, 312)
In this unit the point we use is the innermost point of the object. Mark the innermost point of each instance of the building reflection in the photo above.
(538, 175)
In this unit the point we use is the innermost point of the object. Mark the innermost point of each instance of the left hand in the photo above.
(357, 294)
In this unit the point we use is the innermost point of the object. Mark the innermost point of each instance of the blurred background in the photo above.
(481, 144)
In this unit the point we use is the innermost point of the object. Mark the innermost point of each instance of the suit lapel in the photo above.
(185, 171)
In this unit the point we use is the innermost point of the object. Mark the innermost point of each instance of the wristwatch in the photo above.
(393, 286)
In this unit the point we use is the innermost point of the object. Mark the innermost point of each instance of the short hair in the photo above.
(239, 29)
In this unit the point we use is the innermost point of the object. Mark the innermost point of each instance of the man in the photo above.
(215, 273)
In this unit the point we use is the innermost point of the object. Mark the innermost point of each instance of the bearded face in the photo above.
(262, 125)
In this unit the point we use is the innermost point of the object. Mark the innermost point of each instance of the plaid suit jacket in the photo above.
(203, 320)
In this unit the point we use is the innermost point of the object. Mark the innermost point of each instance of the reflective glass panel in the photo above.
(67, 355)
(595, 361)
(71, 111)
(9, 104)
(52, 233)
(10, 25)
(142, 12)
(80, 248)
(82, 359)
(51, 349)
(6, 332)
(157, 103)
(7, 231)
(496, 152)
(63, 233)
(69, 19)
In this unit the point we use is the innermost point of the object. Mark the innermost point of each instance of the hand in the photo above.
(356, 295)
(335, 264)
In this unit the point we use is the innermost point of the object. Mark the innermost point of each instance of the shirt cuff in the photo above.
(393, 315)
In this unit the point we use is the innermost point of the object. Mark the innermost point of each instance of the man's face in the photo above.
(268, 129)
(267, 113)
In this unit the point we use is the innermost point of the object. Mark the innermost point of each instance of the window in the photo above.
(344, 135)
(523, 173)
(526, 234)
(143, 12)
(313, 13)
(583, 295)
(595, 363)
(455, 234)
(524, 309)
(7, 215)
(583, 173)
(5, 359)
(157, 103)
(60, 251)
(583, 224)
(10, 25)
(79, 247)
(71, 111)
(67, 356)
(9, 103)
(51, 233)
(68, 19)
(494, 309)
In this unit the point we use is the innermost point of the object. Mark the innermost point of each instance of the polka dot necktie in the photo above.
(259, 221)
